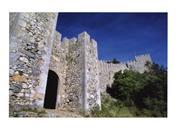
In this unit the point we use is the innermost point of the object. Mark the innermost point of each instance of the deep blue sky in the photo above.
(120, 35)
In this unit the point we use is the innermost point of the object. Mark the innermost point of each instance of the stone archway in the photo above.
(51, 90)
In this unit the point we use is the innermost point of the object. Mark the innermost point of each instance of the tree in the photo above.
(126, 85)
(153, 96)
(114, 61)
(147, 91)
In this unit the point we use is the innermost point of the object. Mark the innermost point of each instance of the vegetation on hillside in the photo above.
(110, 108)
(137, 94)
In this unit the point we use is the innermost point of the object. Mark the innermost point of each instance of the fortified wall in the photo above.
(75, 62)
(107, 70)
(31, 37)
(49, 72)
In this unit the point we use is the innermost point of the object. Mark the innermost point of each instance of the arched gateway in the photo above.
(51, 90)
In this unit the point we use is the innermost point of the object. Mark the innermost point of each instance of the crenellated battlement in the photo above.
(104, 71)
(107, 70)
(140, 59)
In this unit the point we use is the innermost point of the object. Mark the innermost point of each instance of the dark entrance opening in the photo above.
(51, 90)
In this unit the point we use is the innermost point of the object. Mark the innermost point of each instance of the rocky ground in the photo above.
(61, 113)
(44, 113)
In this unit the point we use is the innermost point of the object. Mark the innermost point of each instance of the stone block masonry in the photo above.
(75, 62)
(90, 71)
(31, 38)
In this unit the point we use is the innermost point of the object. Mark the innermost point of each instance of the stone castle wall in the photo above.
(74, 75)
(56, 62)
(107, 70)
(106, 73)
(82, 75)
(75, 62)
(138, 64)
(31, 39)
(36, 47)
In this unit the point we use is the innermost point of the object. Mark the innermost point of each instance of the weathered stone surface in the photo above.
(27, 32)
(18, 78)
(24, 59)
(16, 88)
(11, 71)
(36, 71)
(13, 57)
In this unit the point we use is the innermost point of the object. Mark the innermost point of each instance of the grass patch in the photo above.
(110, 108)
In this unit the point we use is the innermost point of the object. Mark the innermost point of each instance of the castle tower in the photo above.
(31, 39)
(139, 63)
(90, 72)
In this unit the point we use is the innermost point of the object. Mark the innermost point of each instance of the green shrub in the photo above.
(146, 92)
